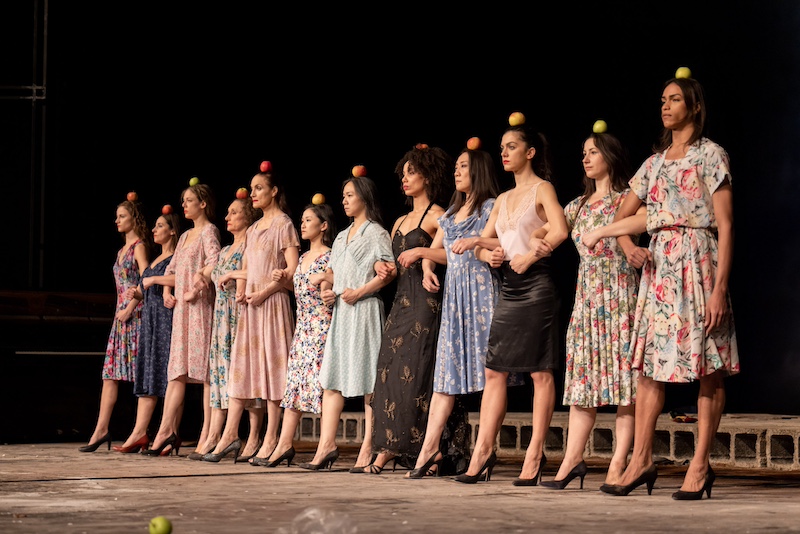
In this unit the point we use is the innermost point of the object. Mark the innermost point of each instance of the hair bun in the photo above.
(599, 126)
(359, 171)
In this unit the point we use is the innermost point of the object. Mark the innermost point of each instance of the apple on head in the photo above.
(473, 143)
(242, 193)
(318, 198)
(132, 196)
(359, 170)
(516, 118)
(166, 209)
(266, 166)
(194, 180)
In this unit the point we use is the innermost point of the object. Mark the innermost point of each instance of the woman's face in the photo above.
(352, 204)
(463, 181)
(594, 165)
(413, 183)
(674, 113)
(235, 219)
(310, 225)
(124, 220)
(261, 192)
(162, 233)
(192, 207)
(515, 153)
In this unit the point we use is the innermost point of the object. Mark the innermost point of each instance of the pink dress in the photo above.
(192, 321)
(260, 353)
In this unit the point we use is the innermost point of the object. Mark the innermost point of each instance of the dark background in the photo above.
(143, 96)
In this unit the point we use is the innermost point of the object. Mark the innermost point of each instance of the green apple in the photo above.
(600, 126)
(194, 181)
(683, 72)
(160, 525)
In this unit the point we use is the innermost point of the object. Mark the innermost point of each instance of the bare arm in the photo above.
(637, 256)
(484, 251)
(635, 224)
(717, 306)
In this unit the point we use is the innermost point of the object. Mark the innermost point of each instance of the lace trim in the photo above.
(506, 222)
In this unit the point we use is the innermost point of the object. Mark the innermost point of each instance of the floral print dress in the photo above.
(123, 340)
(670, 341)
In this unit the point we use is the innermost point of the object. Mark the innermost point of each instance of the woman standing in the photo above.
(598, 366)
(196, 254)
(354, 337)
(402, 392)
(260, 352)
(303, 389)
(123, 341)
(524, 333)
(684, 330)
(154, 340)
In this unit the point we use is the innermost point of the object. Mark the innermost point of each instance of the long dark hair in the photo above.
(542, 161)
(174, 223)
(367, 191)
(325, 215)
(616, 157)
(483, 180)
(695, 100)
(275, 180)
(140, 227)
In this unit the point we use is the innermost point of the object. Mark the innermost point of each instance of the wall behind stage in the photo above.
(144, 99)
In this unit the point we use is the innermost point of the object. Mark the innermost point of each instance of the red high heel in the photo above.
(133, 447)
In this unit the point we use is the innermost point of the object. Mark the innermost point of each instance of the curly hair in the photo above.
(435, 165)
(139, 223)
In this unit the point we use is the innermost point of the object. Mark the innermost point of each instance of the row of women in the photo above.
(475, 309)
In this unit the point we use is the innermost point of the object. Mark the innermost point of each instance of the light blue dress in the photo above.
(470, 295)
(349, 363)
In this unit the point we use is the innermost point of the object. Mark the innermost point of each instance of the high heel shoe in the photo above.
(235, 446)
(426, 470)
(360, 468)
(288, 455)
(93, 446)
(648, 477)
(136, 446)
(579, 470)
(536, 478)
(681, 495)
(326, 463)
(161, 451)
(484, 474)
(244, 458)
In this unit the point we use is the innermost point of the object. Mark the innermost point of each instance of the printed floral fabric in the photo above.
(123, 340)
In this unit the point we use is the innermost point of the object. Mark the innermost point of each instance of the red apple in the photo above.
(166, 209)
(359, 170)
(132, 196)
(473, 143)
(421, 146)
(242, 192)
(266, 166)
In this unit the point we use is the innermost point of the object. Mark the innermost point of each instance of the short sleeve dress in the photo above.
(354, 338)
(154, 340)
(123, 340)
(598, 368)
(191, 321)
(670, 344)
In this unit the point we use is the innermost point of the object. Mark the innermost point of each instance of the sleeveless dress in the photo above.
(260, 352)
(303, 389)
(223, 331)
(354, 337)
(404, 382)
(151, 364)
(191, 321)
(123, 340)
(524, 334)
(670, 341)
(598, 366)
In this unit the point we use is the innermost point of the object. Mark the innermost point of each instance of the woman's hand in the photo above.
(430, 282)
(278, 275)
(638, 256)
(540, 248)
(496, 258)
(716, 310)
(408, 257)
(257, 298)
(130, 293)
(590, 239)
(170, 301)
(147, 282)
(520, 263)
(123, 315)
(328, 297)
(384, 269)
(464, 244)
(316, 278)
(351, 296)
(199, 281)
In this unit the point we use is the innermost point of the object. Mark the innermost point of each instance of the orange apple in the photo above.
(242, 192)
(194, 181)
(266, 166)
(359, 170)
(166, 209)
(516, 118)
(473, 143)
(132, 196)
(421, 146)
(319, 198)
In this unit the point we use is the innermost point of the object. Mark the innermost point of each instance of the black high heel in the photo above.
(171, 442)
(244, 458)
(326, 463)
(536, 478)
(579, 470)
(360, 468)
(681, 495)
(648, 477)
(484, 474)
(425, 470)
(288, 455)
(235, 445)
(93, 446)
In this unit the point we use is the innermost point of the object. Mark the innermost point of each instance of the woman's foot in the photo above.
(267, 448)
(614, 474)
(364, 456)
(250, 449)
(531, 466)
(566, 467)
(379, 463)
(320, 455)
(695, 478)
(279, 450)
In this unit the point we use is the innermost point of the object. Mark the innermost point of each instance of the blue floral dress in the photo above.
(123, 341)
(154, 340)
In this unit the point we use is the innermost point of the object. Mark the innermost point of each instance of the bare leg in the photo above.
(624, 437)
(231, 432)
(145, 407)
(218, 417)
(581, 422)
(493, 411)
(332, 406)
(291, 419)
(173, 409)
(206, 416)
(649, 403)
(273, 425)
(255, 418)
(365, 452)
(544, 402)
(440, 409)
(710, 403)
(108, 398)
